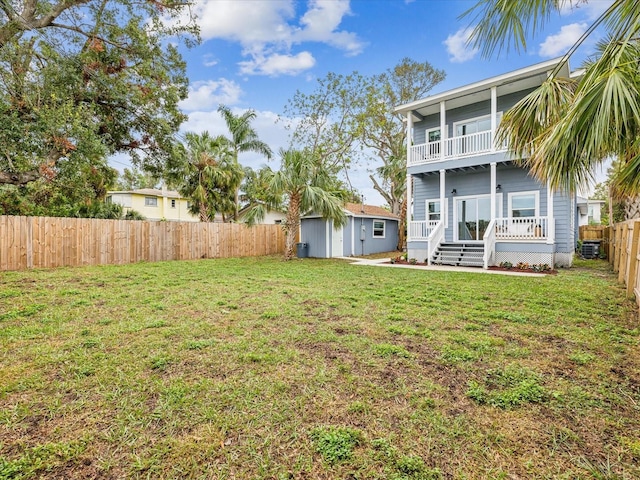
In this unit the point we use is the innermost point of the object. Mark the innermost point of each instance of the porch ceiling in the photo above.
(471, 168)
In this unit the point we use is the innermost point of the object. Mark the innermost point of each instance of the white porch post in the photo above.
(409, 189)
(493, 190)
(443, 211)
(551, 233)
(494, 116)
(443, 129)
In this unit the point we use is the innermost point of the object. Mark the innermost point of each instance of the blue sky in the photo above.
(255, 54)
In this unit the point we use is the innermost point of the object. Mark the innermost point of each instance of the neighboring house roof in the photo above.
(585, 201)
(150, 192)
(521, 79)
(360, 210)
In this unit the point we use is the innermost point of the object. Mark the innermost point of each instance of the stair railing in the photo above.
(489, 238)
(433, 241)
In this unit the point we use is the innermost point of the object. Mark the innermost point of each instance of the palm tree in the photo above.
(244, 138)
(566, 127)
(303, 185)
(209, 175)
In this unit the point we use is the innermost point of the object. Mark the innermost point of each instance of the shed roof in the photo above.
(359, 210)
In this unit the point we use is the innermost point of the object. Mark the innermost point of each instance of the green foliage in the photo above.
(566, 127)
(208, 175)
(108, 84)
(508, 388)
(335, 444)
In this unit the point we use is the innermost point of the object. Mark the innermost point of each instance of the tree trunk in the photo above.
(402, 226)
(292, 226)
(204, 216)
(19, 178)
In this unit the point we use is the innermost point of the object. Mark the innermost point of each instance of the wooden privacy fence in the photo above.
(624, 255)
(592, 232)
(42, 242)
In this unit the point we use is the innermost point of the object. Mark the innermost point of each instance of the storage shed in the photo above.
(369, 229)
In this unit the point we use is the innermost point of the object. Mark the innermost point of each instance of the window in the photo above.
(524, 204)
(433, 210)
(278, 222)
(378, 229)
(590, 216)
(150, 201)
(173, 203)
(433, 135)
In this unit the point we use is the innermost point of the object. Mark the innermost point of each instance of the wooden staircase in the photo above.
(459, 254)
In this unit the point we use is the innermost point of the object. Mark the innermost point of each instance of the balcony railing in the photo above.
(526, 228)
(455, 147)
(506, 229)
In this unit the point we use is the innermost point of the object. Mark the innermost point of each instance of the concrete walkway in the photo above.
(384, 262)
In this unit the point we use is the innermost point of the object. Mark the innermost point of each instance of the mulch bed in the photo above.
(504, 269)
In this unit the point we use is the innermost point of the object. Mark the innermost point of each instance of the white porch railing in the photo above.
(489, 238)
(525, 228)
(421, 230)
(436, 237)
(455, 147)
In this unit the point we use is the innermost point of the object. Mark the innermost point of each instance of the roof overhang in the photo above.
(518, 80)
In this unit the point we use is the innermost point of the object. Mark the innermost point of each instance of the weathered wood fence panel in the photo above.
(43, 242)
(624, 255)
(592, 232)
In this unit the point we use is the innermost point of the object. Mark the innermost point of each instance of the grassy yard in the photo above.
(316, 369)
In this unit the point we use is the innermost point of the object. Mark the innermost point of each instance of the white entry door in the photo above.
(336, 242)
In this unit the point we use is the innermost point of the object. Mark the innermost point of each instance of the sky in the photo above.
(255, 54)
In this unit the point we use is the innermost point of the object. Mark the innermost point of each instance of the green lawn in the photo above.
(316, 369)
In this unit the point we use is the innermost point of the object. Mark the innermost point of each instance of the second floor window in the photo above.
(150, 202)
(173, 203)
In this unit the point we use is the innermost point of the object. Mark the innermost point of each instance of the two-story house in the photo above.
(154, 204)
(471, 204)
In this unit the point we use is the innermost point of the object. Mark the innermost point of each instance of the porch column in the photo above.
(409, 183)
(443, 211)
(443, 129)
(551, 228)
(494, 116)
(493, 190)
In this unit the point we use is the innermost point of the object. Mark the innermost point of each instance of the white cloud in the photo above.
(209, 61)
(593, 9)
(267, 29)
(276, 64)
(210, 94)
(458, 47)
(320, 23)
(560, 43)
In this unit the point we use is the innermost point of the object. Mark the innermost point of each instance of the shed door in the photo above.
(336, 242)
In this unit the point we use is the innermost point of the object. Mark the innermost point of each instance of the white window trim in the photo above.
(475, 119)
(444, 212)
(373, 229)
(433, 129)
(535, 193)
(173, 202)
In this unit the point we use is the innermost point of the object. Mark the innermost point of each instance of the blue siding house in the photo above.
(369, 229)
(471, 204)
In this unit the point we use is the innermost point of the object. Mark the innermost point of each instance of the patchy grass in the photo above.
(255, 368)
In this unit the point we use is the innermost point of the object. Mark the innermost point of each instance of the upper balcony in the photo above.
(453, 148)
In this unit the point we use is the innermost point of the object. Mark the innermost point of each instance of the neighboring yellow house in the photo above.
(154, 204)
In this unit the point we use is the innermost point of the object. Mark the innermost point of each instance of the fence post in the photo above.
(633, 259)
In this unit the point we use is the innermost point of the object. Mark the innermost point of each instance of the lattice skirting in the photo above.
(525, 257)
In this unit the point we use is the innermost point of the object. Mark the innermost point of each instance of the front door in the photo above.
(336, 241)
(473, 215)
